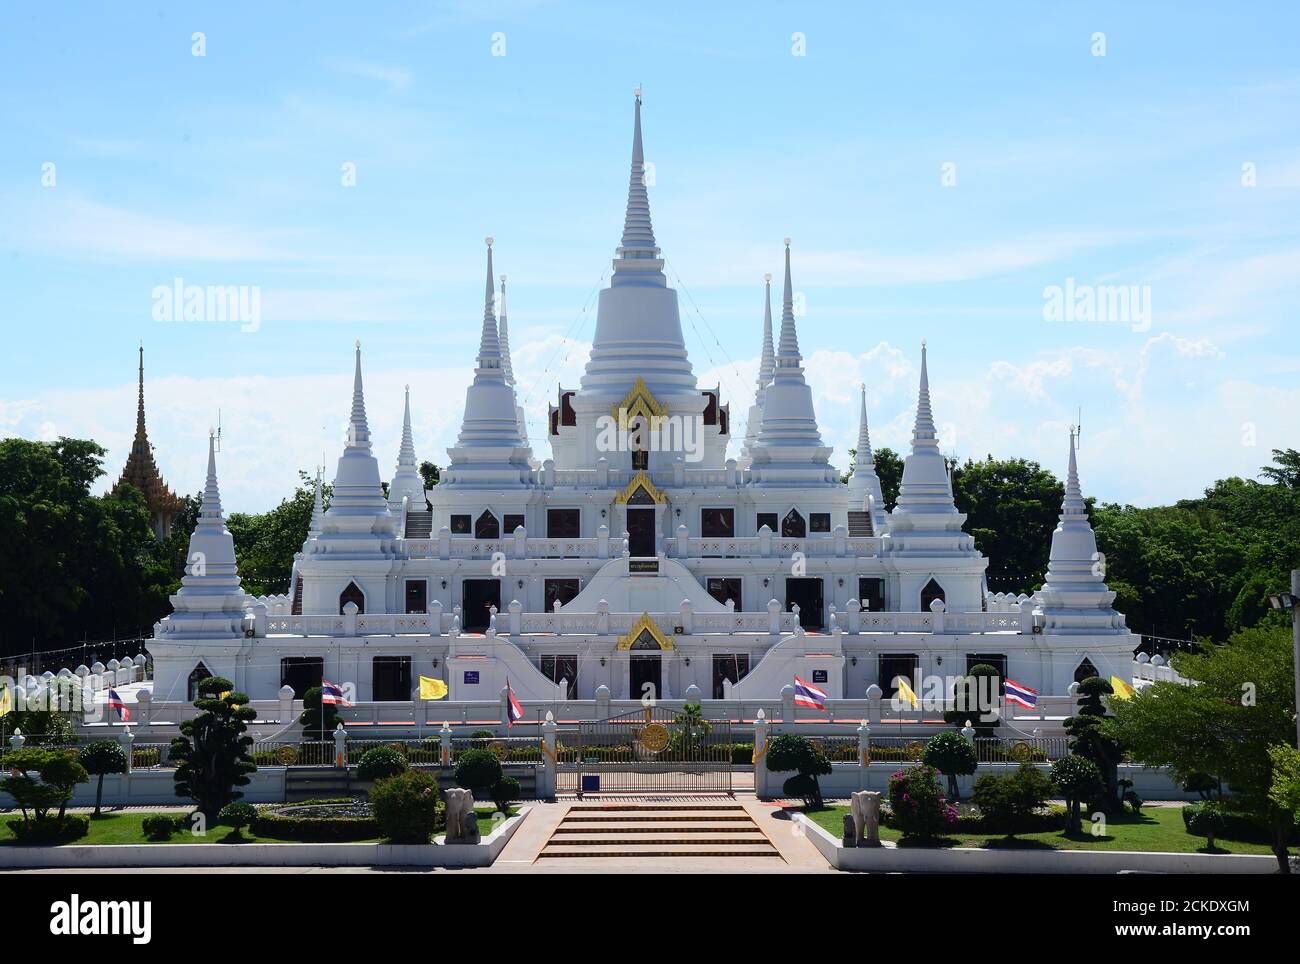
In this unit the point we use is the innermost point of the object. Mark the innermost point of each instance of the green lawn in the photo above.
(1155, 829)
(124, 828)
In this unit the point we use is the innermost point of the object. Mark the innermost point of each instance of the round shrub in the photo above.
(1008, 803)
(1078, 779)
(804, 786)
(380, 762)
(51, 830)
(917, 805)
(159, 826)
(478, 770)
(505, 792)
(238, 815)
(952, 755)
(790, 752)
(1205, 821)
(405, 806)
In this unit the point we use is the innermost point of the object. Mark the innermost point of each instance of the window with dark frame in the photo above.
(717, 523)
(819, 522)
(562, 523)
(728, 666)
(723, 588)
(767, 519)
(559, 590)
(793, 526)
(486, 526)
(417, 596)
(558, 667)
(352, 594)
(460, 525)
(871, 593)
(390, 679)
(512, 522)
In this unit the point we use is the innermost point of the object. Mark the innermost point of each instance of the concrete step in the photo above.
(625, 808)
(636, 841)
(663, 850)
(658, 817)
(667, 827)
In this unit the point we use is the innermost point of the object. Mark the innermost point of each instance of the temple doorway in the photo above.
(641, 531)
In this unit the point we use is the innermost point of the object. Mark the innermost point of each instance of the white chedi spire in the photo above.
(926, 487)
(407, 482)
(1075, 599)
(638, 325)
(766, 365)
(317, 510)
(865, 494)
(210, 603)
(503, 337)
(358, 520)
(789, 447)
(490, 449)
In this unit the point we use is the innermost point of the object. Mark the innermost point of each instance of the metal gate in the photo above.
(654, 750)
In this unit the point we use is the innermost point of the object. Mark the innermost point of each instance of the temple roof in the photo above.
(141, 470)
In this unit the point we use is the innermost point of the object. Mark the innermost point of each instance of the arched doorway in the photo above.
(1085, 670)
(793, 525)
(197, 676)
(645, 668)
(930, 593)
(486, 526)
(352, 594)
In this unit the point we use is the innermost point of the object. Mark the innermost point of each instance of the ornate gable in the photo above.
(645, 634)
(638, 402)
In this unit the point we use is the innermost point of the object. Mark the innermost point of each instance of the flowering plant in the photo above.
(917, 804)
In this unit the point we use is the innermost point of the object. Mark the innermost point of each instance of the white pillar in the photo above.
(549, 771)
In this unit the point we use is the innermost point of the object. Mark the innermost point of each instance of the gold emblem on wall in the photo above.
(640, 481)
(638, 402)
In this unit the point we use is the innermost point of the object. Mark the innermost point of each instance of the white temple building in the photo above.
(636, 555)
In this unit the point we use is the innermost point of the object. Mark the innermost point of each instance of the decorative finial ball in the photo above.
(503, 279)
(768, 277)
(358, 344)
(787, 242)
(488, 240)
(637, 91)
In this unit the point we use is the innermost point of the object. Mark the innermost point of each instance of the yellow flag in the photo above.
(905, 694)
(432, 689)
(1122, 690)
(6, 701)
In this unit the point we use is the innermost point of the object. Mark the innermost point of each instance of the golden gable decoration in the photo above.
(640, 401)
(644, 625)
(640, 481)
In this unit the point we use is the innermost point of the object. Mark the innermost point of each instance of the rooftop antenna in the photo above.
(1078, 434)
(218, 430)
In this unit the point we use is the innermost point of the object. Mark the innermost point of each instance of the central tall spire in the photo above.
(358, 496)
(638, 325)
(638, 232)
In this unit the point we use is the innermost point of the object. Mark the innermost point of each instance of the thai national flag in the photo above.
(115, 703)
(1019, 694)
(331, 694)
(513, 710)
(805, 694)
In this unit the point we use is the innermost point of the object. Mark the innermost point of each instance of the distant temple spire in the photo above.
(142, 472)
(766, 366)
(638, 232)
(407, 482)
(503, 337)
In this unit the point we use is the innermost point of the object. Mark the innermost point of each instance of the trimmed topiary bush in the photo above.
(406, 806)
(505, 793)
(917, 805)
(952, 755)
(1203, 820)
(238, 816)
(160, 826)
(790, 752)
(380, 762)
(479, 771)
(101, 758)
(1078, 779)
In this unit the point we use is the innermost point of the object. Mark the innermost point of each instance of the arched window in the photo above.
(352, 594)
(199, 674)
(486, 526)
(930, 593)
(1085, 670)
(793, 525)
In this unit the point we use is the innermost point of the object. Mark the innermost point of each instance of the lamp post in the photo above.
(1287, 601)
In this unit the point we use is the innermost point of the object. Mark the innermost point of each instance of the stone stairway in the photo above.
(419, 525)
(670, 829)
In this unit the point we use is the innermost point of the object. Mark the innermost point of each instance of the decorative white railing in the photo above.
(605, 546)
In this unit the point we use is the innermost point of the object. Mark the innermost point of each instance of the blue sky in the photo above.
(225, 169)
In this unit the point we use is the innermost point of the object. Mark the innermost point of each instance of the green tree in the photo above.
(789, 752)
(975, 700)
(265, 543)
(318, 722)
(1284, 791)
(1011, 506)
(1242, 702)
(100, 759)
(1285, 469)
(430, 473)
(212, 750)
(478, 770)
(1090, 739)
(952, 755)
(1079, 780)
